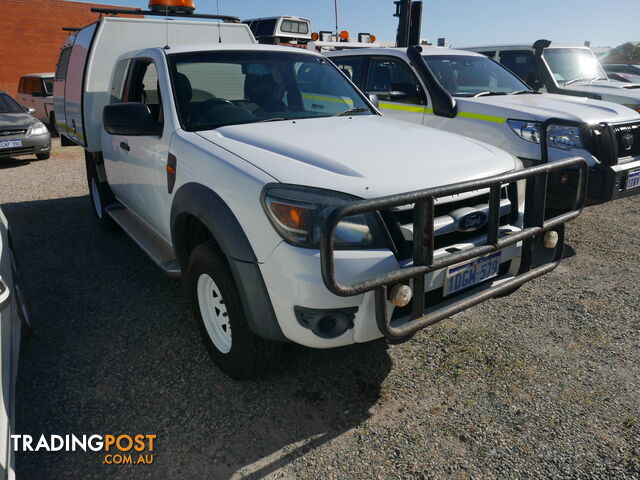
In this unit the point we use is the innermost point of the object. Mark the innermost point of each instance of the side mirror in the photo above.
(37, 94)
(133, 119)
(5, 294)
(373, 98)
(404, 90)
(31, 110)
(398, 94)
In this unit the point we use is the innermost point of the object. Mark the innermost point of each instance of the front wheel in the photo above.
(233, 347)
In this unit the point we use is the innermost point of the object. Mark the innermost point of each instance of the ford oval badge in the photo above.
(471, 221)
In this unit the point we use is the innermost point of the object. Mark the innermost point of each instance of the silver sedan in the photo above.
(20, 132)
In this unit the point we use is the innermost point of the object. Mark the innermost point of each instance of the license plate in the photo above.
(10, 143)
(463, 276)
(633, 180)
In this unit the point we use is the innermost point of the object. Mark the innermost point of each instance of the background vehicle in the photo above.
(274, 30)
(21, 133)
(469, 94)
(623, 73)
(14, 325)
(279, 237)
(36, 91)
(564, 70)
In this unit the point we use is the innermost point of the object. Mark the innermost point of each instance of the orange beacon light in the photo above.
(173, 6)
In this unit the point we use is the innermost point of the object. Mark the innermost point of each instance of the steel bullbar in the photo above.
(534, 225)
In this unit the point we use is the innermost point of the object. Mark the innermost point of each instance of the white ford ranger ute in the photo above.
(292, 209)
(467, 93)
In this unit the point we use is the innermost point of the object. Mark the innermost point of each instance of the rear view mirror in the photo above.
(133, 119)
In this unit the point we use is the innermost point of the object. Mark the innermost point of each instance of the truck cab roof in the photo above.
(216, 46)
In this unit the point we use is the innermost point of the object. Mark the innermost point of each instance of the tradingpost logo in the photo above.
(118, 449)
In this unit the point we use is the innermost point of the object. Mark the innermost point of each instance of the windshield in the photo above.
(467, 76)
(9, 105)
(48, 85)
(573, 64)
(214, 89)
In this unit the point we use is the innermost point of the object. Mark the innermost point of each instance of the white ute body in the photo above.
(496, 117)
(220, 164)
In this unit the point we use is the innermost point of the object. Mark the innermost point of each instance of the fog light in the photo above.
(326, 323)
(400, 295)
(551, 239)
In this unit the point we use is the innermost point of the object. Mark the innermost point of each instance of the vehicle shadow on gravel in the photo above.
(116, 350)
(13, 162)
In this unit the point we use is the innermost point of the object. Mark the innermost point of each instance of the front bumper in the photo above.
(31, 145)
(307, 289)
(607, 181)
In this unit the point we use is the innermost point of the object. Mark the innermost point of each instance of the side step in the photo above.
(147, 239)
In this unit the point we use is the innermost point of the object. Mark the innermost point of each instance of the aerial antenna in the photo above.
(335, 4)
(218, 13)
(166, 26)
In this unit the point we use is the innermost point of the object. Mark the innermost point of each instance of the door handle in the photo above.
(125, 146)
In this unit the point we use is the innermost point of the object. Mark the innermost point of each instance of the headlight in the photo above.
(37, 128)
(296, 213)
(565, 138)
(558, 136)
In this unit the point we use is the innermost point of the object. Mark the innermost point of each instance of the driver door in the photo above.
(142, 159)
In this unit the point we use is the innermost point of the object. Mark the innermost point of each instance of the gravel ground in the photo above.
(542, 384)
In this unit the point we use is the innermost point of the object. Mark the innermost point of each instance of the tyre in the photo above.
(43, 156)
(100, 194)
(231, 344)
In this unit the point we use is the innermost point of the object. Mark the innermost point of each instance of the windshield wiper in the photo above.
(593, 80)
(577, 79)
(274, 119)
(350, 111)
(522, 92)
(487, 94)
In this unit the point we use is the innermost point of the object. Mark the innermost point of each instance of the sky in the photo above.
(461, 22)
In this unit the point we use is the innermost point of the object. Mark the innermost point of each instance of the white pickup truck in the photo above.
(290, 207)
(467, 93)
(562, 69)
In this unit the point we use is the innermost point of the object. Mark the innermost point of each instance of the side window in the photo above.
(143, 87)
(392, 79)
(31, 85)
(37, 86)
(266, 28)
(520, 62)
(353, 67)
(63, 63)
(119, 77)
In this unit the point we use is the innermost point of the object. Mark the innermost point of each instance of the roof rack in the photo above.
(135, 11)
